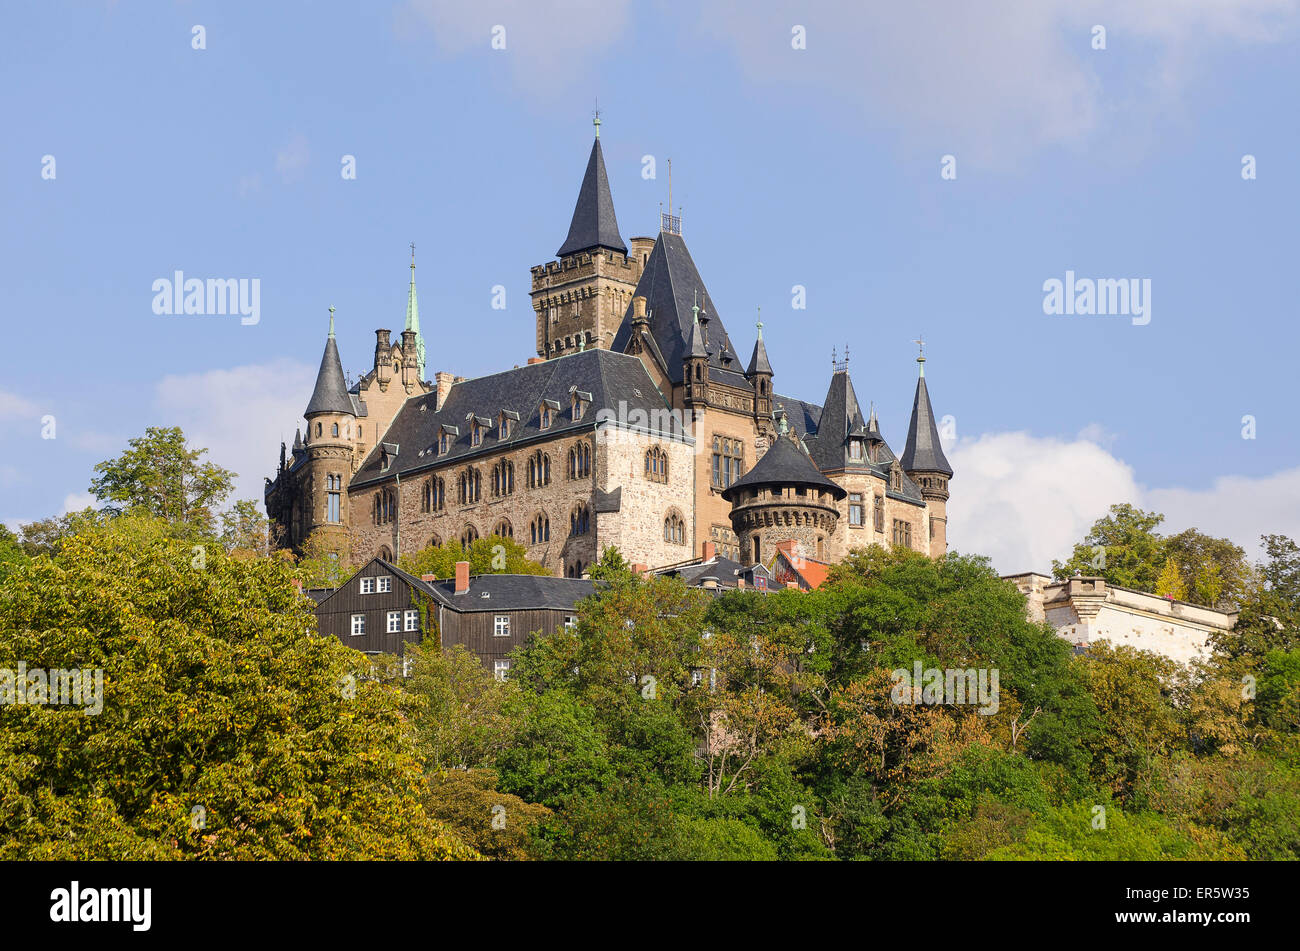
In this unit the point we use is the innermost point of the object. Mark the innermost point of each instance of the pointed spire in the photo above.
(594, 224)
(697, 332)
(923, 453)
(413, 316)
(758, 363)
(873, 424)
(297, 440)
(330, 394)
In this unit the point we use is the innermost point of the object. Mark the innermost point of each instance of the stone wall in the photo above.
(637, 528)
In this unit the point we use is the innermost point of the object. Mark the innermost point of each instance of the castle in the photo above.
(636, 425)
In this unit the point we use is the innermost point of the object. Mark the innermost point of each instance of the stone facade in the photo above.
(1088, 610)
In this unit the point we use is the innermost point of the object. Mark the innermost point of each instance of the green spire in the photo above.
(413, 315)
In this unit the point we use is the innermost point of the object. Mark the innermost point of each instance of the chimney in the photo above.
(638, 308)
(462, 577)
(383, 359)
(640, 569)
(297, 583)
(428, 579)
(710, 551)
(740, 583)
(533, 360)
(442, 381)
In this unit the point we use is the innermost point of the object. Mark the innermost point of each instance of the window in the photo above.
(656, 465)
(394, 621)
(758, 551)
(697, 677)
(896, 478)
(367, 585)
(902, 533)
(878, 513)
(855, 509)
(539, 530)
(504, 529)
(503, 428)
(570, 621)
(674, 529)
(500, 669)
(503, 478)
(469, 536)
(728, 460)
(578, 407)
(444, 443)
(333, 499)
(385, 507)
(580, 461)
(579, 521)
(434, 497)
(476, 435)
(412, 618)
(471, 487)
(855, 450)
(544, 416)
(334, 431)
(539, 470)
(358, 624)
(501, 625)
(383, 583)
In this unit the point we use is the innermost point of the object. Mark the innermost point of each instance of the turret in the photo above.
(759, 375)
(383, 359)
(925, 464)
(331, 419)
(696, 361)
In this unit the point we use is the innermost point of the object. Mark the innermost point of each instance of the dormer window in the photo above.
(476, 435)
(855, 450)
(578, 400)
(546, 413)
(447, 439)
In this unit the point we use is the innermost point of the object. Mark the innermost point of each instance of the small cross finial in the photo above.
(846, 355)
(331, 320)
(696, 308)
(834, 357)
(760, 323)
(595, 120)
(920, 358)
(412, 254)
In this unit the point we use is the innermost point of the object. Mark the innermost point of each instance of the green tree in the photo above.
(11, 552)
(1170, 583)
(246, 529)
(1122, 547)
(486, 556)
(161, 475)
(224, 727)
(45, 537)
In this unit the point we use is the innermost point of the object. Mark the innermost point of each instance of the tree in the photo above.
(320, 565)
(496, 824)
(1121, 547)
(11, 552)
(460, 711)
(161, 475)
(246, 529)
(45, 537)
(1170, 583)
(486, 556)
(220, 725)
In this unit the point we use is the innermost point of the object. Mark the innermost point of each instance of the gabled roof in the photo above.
(783, 464)
(513, 593)
(593, 224)
(611, 379)
(331, 392)
(924, 453)
(669, 284)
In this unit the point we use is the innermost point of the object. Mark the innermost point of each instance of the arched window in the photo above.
(335, 431)
(385, 553)
(318, 430)
(539, 530)
(580, 461)
(385, 507)
(574, 570)
(471, 487)
(435, 541)
(469, 536)
(504, 529)
(434, 495)
(503, 478)
(579, 520)
(674, 529)
(539, 470)
(656, 464)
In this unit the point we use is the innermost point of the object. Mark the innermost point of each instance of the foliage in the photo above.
(492, 555)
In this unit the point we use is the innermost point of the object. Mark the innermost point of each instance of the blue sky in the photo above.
(817, 167)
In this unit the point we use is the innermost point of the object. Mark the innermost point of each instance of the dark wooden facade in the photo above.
(334, 614)
(476, 629)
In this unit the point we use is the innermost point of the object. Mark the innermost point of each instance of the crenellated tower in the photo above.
(331, 420)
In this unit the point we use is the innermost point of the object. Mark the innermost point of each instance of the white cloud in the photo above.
(239, 415)
(1024, 500)
(290, 160)
(77, 501)
(544, 42)
(990, 81)
(14, 408)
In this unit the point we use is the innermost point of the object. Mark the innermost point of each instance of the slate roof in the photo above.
(758, 363)
(611, 379)
(593, 224)
(783, 464)
(923, 452)
(513, 593)
(840, 416)
(669, 284)
(726, 570)
(331, 392)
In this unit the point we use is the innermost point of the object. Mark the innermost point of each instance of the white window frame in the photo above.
(412, 620)
(570, 622)
(500, 669)
(501, 625)
(394, 622)
(384, 584)
(362, 625)
(367, 586)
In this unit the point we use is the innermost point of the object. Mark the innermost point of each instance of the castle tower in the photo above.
(579, 300)
(925, 464)
(783, 498)
(331, 419)
(695, 370)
